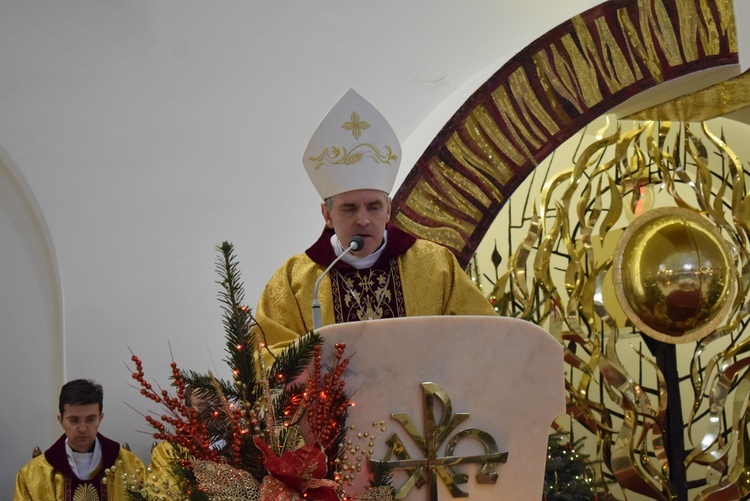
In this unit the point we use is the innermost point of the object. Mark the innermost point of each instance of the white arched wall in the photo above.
(32, 354)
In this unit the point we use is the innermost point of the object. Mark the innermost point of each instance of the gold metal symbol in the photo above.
(425, 470)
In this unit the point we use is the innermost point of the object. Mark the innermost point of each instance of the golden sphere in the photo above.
(673, 274)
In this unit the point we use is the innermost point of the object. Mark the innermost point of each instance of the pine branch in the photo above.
(252, 459)
(241, 343)
(134, 495)
(288, 404)
(293, 361)
(568, 473)
(203, 386)
(382, 475)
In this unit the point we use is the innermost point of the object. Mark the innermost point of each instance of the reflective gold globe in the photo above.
(674, 275)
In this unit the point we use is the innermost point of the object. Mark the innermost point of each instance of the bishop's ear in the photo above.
(326, 215)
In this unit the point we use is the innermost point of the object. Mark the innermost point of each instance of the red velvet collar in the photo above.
(398, 242)
(58, 459)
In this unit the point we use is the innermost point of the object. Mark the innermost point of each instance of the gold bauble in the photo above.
(673, 274)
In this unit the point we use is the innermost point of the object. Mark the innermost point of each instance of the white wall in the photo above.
(31, 364)
(136, 135)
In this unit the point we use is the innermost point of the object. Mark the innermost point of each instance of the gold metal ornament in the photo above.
(673, 274)
(641, 269)
(426, 470)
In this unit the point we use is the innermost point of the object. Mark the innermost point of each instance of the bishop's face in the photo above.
(359, 212)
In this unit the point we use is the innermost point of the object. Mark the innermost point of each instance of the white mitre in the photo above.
(353, 148)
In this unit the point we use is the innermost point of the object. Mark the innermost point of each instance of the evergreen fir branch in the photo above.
(203, 385)
(241, 343)
(185, 477)
(251, 459)
(503, 304)
(293, 361)
(568, 475)
(382, 476)
(290, 438)
(214, 392)
(135, 495)
(288, 403)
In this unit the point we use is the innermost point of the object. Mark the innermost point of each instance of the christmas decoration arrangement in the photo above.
(273, 433)
(569, 474)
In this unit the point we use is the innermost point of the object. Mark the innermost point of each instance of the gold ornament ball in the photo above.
(673, 274)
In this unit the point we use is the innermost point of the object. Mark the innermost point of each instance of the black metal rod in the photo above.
(674, 434)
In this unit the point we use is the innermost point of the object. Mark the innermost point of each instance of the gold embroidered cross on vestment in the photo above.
(367, 309)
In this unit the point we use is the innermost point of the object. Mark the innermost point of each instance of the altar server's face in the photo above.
(81, 424)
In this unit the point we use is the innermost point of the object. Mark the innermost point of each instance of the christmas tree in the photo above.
(569, 475)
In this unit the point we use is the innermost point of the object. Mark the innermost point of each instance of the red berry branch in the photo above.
(325, 399)
(185, 428)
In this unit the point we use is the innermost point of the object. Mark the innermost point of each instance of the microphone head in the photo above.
(356, 242)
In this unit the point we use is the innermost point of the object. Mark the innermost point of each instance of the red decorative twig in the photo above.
(187, 429)
(325, 399)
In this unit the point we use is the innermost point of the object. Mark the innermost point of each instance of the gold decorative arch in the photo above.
(572, 74)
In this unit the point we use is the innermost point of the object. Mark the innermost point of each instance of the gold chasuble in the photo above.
(163, 460)
(411, 278)
(48, 477)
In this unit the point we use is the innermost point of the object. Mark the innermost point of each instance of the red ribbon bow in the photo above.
(296, 475)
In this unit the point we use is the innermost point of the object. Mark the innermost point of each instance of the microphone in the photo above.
(355, 243)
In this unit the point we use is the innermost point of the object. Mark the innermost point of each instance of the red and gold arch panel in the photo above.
(545, 94)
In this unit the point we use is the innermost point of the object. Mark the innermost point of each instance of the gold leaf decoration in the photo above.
(86, 492)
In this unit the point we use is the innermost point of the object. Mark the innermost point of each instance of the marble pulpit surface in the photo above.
(492, 385)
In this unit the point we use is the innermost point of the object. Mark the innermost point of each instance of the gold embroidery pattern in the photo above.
(333, 155)
(86, 492)
(367, 294)
(355, 125)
